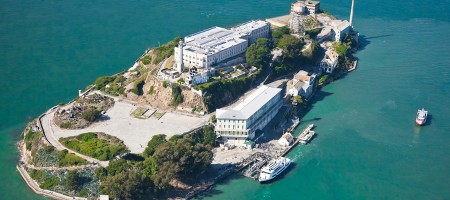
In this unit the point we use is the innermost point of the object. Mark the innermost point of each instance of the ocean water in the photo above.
(367, 145)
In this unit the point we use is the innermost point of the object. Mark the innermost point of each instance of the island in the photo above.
(191, 112)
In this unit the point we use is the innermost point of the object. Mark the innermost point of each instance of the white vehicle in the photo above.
(273, 169)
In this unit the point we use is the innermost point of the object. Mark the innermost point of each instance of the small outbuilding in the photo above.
(286, 139)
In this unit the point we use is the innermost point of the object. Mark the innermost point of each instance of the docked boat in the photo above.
(307, 137)
(273, 169)
(421, 117)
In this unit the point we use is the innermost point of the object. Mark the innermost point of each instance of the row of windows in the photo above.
(232, 133)
(229, 126)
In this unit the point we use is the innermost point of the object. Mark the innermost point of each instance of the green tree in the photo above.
(208, 135)
(258, 54)
(291, 46)
(130, 184)
(182, 159)
(156, 141)
(278, 33)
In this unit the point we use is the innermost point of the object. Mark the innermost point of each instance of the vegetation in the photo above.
(278, 33)
(91, 114)
(291, 46)
(313, 33)
(153, 144)
(258, 54)
(100, 146)
(49, 182)
(312, 54)
(151, 90)
(66, 124)
(165, 84)
(177, 97)
(114, 82)
(165, 50)
(69, 159)
(138, 87)
(146, 60)
(31, 140)
(220, 93)
(73, 180)
(180, 158)
(323, 79)
(129, 184)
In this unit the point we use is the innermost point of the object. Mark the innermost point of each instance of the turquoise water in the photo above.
(367, 145)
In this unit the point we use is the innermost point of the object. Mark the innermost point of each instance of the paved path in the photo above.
(35, 187)
(48, 126)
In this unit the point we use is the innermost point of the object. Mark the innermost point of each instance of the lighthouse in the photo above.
(179, 57)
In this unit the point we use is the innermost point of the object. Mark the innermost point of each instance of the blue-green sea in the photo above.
(367, 145)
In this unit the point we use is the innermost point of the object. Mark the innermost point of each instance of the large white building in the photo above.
(211, 47)
(238, 124)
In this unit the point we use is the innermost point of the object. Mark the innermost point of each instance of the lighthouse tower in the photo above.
(179, 57)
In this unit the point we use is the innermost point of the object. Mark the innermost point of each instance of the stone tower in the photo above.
(298, 14)
(179, 58)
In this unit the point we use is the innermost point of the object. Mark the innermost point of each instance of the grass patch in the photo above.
(96, 145)
(69, 159)
(49, 183)
(158, 115)
(138, 112)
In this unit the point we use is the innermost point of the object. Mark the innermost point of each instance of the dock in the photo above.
(256, 161)
(297, 140)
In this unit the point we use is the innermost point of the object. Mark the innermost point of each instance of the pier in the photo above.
(257, 160)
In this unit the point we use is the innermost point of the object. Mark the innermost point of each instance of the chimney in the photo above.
(351, 13)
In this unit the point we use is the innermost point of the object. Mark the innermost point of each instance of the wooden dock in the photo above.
(297, 140)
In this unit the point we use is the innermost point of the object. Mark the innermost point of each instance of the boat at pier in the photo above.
(421, 117)
(273, 169)
(306, 138)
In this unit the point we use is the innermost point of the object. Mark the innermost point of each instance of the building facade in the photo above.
(302, 84)
(238, 124)
(330, 61)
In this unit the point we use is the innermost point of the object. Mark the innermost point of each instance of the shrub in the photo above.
(49, 182)
(91, 114)
(151, 90)
(146, 60)
(86, 136)
(67, 124)
(137, 89)
(177, 97)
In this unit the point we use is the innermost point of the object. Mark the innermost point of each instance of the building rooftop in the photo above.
(212, 40)
(340, 24)
(248, 27)
(302, 76)
(249, 105)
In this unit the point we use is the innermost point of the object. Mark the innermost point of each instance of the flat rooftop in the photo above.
(248, 27)
(249, 105)
(212, 40)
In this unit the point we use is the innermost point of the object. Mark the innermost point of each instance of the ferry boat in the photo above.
(273, 169)
(421, 117)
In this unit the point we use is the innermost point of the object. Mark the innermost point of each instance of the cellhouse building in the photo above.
(235, 126)
(217, 47)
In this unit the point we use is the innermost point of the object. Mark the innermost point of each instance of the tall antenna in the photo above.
(351, 13)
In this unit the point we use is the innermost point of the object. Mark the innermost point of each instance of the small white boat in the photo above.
(421, 117)
(273, 169)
